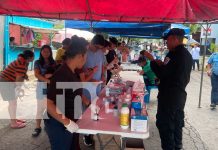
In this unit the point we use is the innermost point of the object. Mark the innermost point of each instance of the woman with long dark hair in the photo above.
(61, 125)
(44, 67)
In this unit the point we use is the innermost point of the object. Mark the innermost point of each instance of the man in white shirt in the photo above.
(195, 52)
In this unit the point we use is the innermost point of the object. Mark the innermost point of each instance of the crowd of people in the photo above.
(80, 61)
(76, 61)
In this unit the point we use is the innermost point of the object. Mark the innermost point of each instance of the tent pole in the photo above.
(65, 33)
(202, 72)
(91, 27)
(90, 15)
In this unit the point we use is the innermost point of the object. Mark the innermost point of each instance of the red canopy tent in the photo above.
(169, 11)
(158, 11)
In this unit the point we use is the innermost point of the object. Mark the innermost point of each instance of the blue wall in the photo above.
(10, 53)
(25, 21)
(13, 52)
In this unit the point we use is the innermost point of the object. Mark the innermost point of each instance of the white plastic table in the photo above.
(108, 123)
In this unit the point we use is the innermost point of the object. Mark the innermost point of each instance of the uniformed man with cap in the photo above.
(174, 74)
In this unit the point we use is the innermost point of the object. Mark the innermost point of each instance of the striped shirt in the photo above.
(17, 68)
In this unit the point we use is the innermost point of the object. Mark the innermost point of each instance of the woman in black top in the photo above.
(62, 123)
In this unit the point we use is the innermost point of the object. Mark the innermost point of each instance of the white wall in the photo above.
(214, 32)
(1, 40)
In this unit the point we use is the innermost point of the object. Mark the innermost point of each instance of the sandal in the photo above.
(21, 120)
(18, 125)
(36, 132)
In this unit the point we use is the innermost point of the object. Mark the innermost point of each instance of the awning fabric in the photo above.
(180, 26)
(139, 30)
(122, 29)
(136, 36)
(112, 10)
(192, 42)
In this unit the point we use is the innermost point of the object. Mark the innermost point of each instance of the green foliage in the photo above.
(194, 27)
(38, 37)
(213, 48)
(51, 35)
(58, 26)
(138, 40)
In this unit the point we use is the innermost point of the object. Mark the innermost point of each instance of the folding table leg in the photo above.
(102, 146)
(100, 142)
(123, 143)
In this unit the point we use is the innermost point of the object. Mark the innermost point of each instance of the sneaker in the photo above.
(36, 132)
(88, 140)
(213, 106)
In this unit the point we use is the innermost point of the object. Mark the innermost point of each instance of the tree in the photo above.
(194, 28)
(58, 26)
(38, 37)
(213, 48)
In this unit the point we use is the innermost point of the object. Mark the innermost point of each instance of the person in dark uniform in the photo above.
(111, 54)
(174, 74)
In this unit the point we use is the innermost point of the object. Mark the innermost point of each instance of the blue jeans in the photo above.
(59, 137)
(214, 91)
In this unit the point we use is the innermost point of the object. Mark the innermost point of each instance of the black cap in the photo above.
(175, 31)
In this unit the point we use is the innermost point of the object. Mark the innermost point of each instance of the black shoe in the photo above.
(88, 140)
(179, 147)
(36, 132)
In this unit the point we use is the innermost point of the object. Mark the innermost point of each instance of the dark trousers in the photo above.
(59, 137)
(195, 61)
(170, 124)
